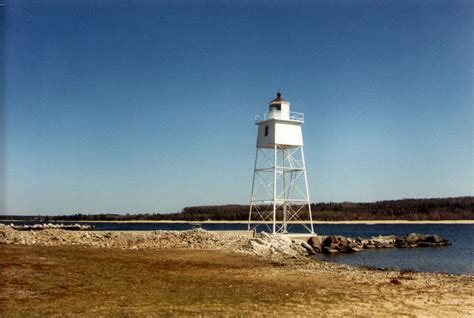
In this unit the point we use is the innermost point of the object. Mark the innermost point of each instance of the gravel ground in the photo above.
(191, 270)
(194, 239)
(78, 281)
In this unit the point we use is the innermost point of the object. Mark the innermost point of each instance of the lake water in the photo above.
(455, 259)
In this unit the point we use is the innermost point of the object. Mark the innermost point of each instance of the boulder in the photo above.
(329, 251)
(330, 241)
(339, 243)
(400, 242)
(298, 248)
(342, 242)
(259, 241)
(433, 239)
(412, 239)
(420, 240)
(309, 249)
(355, 248)
(369, 244)
(381, 241)
(316, 242)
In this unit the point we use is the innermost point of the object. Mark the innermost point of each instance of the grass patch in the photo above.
(57, 281)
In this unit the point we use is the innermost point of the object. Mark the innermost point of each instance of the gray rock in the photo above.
(308, 248)
(299, 249)
(433, 239)
(330, 241)
(355, 249)
(259, 241)
(411, 238)
(316, 241)
(329, 251)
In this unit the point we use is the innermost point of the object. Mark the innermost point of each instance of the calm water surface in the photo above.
(455, 259)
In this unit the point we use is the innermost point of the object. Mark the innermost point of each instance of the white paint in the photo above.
(280, 132)
(283, 113)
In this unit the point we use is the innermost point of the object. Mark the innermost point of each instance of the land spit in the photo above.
(196, 272)
(266, 245)
(44, 226)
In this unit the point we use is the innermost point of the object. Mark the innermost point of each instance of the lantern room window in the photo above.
(275, 107)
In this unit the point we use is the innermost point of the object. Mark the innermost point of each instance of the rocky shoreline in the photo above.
(340, 244)
(44, 226)
(275, 247)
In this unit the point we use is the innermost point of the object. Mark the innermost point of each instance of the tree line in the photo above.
(458, 208)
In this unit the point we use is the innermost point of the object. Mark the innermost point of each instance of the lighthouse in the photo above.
(280, 196)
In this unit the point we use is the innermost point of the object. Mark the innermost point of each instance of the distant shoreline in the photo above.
(260, 222)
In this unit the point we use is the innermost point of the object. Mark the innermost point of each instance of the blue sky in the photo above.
(148, 106)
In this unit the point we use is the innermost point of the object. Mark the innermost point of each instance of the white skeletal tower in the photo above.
(280, 187)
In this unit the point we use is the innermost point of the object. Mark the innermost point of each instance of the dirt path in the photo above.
(77, 281)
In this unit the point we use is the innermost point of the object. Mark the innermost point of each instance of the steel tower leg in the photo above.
(253, 186)
(275, 160)
(285, 193)
(307, 193)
